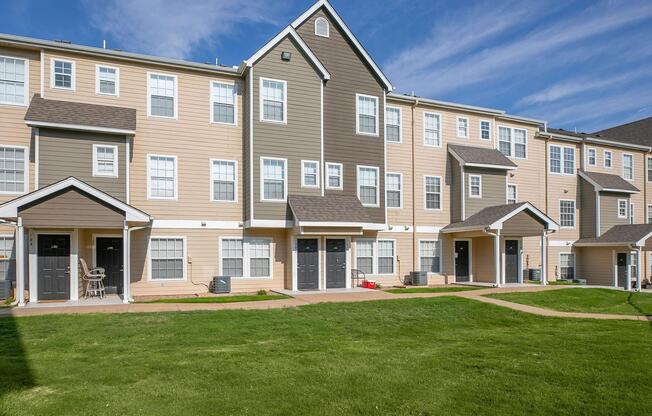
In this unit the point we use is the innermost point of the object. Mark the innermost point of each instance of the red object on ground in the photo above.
(369, 284)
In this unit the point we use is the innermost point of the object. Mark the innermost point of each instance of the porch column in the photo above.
(126, 264)
(497, 257)
(638, 269)
(20, 263)
(544, 259)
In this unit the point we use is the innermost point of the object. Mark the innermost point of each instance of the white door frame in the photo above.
(33, 261)
(347, 257)
(470, 240)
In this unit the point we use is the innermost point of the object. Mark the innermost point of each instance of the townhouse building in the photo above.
(299, 169)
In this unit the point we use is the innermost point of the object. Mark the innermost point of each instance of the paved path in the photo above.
(313, 298)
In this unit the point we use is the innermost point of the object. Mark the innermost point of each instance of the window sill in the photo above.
(8, 103)
(284, 122)
(219, 123)
(252, 278)
(367, 134)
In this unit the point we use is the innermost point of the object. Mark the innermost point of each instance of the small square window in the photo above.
(63, 74)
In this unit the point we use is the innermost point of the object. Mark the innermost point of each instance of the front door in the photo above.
(335, 263)
(308, 264)
(621, 267)
(462, 261)
(109, 256)
(511, 261)
(53, 267)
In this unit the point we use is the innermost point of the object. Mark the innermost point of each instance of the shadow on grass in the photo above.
(15, 373)
(630, 302)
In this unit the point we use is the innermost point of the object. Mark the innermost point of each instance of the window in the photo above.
(569, 161)
(105, 160)
(475, 186)
(432, 185)
(607, 159)
(505, 140)
(13, 170)
(649, 169)
(385, 256)
(224, 185)
(512, 194)
(555, 159)
(223, 103)
(7, 257)
(431, 129)
(393, 125)
(367, 114)
(249, 257)
(520, 143)
(368, 185)
(13, 80)
(63, 74)
(622, 208)
(162, 178)
(167, 258)
(162, 95)
(591, 158)
(631, 213)
(273, 177)
(628, 167)
(334, 180)
(375, 257)
(512, 142)
(561, 160)
(310, 174)
(566, 266)
(364, 256)
(321, 27)
(463, 127)
(393, 187)
(649, 214)
(485, 129)
(430, 256)
(567, 213)
(106, 80)
(273, 102)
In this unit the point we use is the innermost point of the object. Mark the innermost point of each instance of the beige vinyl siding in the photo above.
(482, 251)
(300, 138)
(399, 157)
(609, 211)
(588, 214)
(557, 187)
(493, 189)
(596, 264)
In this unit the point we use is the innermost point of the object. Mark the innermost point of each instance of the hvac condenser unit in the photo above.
(222, 284)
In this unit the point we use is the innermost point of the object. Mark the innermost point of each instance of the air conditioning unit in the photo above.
(5, 289)
(221, 284)
(419, 278)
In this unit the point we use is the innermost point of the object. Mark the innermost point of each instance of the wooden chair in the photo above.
(94, 279)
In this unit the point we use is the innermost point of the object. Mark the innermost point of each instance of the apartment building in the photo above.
(297, 170)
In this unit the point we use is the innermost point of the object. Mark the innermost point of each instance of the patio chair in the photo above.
(94, 279)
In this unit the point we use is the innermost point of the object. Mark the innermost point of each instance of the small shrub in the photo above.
(261, 292)
(378, 286)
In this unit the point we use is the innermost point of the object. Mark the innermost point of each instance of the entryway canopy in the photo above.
(635, 235)
(522, 219)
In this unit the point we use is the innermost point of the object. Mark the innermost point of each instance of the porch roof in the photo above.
(480, 157)
(330, 211)
(608, 183)
(494, 217)
(626, 234)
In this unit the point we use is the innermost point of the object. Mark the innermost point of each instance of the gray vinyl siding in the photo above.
(300, 138)
(494, 189)
(609, 210)
(456, 189)
(64, 153)
(350, 75)
(587, 209)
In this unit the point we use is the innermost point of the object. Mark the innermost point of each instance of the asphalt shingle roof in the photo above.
(480, 155)
(330, 208)
(611, 182)
(637, 132)
(620, 234)
(485, 217)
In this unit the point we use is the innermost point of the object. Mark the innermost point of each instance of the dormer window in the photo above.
(322, 27)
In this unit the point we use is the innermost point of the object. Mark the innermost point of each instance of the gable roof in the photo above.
(329, 210)
(637, 132)
(358, 46)
(625, 234)
(494, 217)
(608, 183)
(481, 157)
(290, 32)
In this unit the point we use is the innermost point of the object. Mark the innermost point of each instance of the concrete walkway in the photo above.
(320, 297)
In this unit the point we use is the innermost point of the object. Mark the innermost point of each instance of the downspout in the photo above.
(414, 190)
(15, 226)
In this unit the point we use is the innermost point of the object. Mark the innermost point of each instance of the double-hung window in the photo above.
(512, 193)
(364, 256)
(591, 157)
(432, 191)
(623, 206)
(561, 159)
(475, 186)
(463, 127)
(628, 167)
(431, 130)
(248, 258)
(106, 80)
(274, 179)
(393, 124)
(430, 256)
(649, 214)
(224, 175)
(334, 173)
(567, 213)
(273, 100)
(649, 169)
(162, 95)
(512, 142)
(63, 74)
(223, 103)
(162, 177)
(632, 219)
(7, 257)
(105, 160)
(13, 80)
(385, 256)
(505, 140)
(566, 266)
(368, 186)
(367, 114)
(167, 258)
(310, 174)
(375, 257)
(608, 157)
(485, 129)
(13, 170)
(394, 188)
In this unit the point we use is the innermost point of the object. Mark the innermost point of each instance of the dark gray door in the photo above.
(308, 264)
(462, 261)
(335, 263)
(621, 262)
(109, 255)
(511, 261)
(53, 267)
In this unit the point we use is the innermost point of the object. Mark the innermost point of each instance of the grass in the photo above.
(412, 357)
(221, 299)
(432, 289)
(585, 300)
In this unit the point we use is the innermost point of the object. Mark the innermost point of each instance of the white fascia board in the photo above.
(527, 206)
(79, 127)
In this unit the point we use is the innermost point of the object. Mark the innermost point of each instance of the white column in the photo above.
(126, 265)
(544, 259)
(20, 263)
(628, 270)
(497, 257)
(638, 269)
(74, 269)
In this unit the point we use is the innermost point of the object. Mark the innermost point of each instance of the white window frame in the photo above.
(328, 27)
(649, 211)
(246, 266)
(357, 180)
(400, 193)
(480, 129)
(357, 115)
(618, 208)
(441, 193)
(610, 158)
(25, 167)
(235, 183)
(479, 195)
(574, 214)
(116, 161)
(375, 257)
(327, 176)
(149, 178)
(262, 179)
(631, 156)
(590, 150)
(632, 213)
(73, 75)
(97, 80)
(574, 263)
(261, 101)
(515, 193)
(400, 124)
(562, 160)
(512, 142)
(303, 174)
(176, 96)
(439, 132)
(439, 244)
(212, 101)
(149, 258)
(458, 125)
(25, 82)
(648, 169)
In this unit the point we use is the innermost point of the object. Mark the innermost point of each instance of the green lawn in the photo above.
(585, 300)
(221, 299)
(436, 356)
(433, 289)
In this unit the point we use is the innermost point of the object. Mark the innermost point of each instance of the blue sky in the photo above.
(580, 64)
